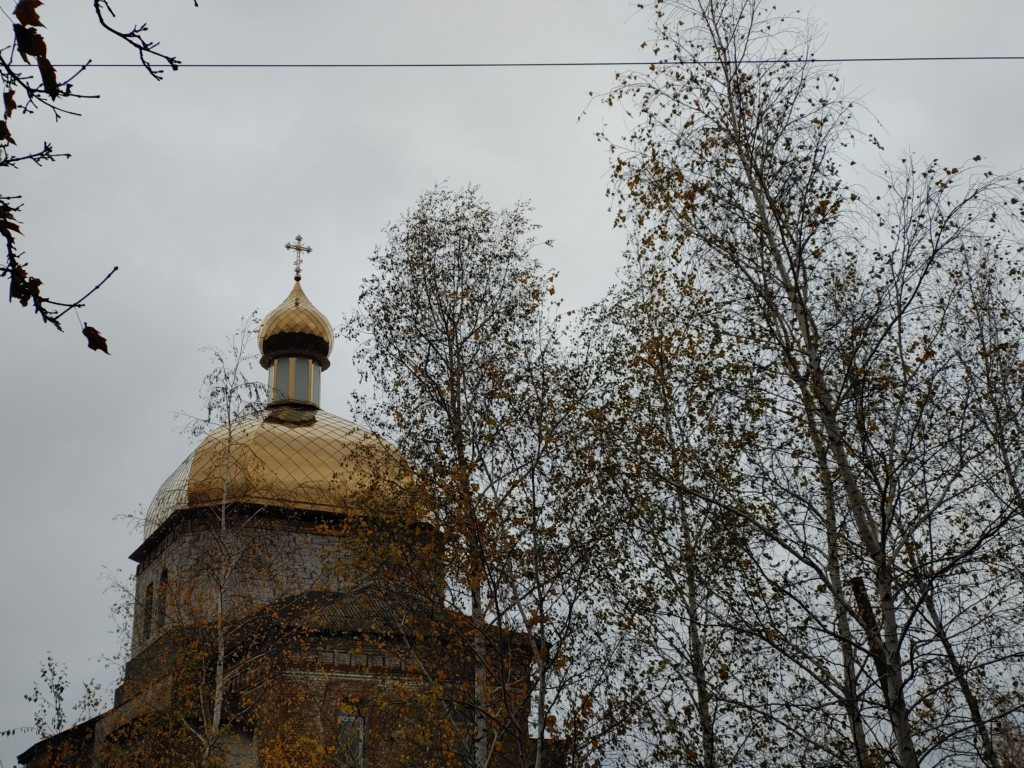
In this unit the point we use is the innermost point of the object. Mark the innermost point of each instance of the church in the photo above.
(289, 600)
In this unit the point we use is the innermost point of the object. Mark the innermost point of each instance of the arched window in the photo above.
(161, 600)
(147, 619)
(351, 737)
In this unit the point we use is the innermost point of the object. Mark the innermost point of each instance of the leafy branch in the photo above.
(30, 86)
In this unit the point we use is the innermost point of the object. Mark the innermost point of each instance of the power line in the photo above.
(561, 64)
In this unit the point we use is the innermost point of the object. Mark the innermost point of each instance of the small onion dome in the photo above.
(296, 328)
(286, 457)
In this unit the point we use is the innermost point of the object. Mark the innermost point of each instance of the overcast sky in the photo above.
(192, 187)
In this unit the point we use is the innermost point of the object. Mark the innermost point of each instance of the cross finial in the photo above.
(299, 249)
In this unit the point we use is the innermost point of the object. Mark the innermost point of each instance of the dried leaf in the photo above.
(49, 76)
(5, 133)
(8, 224)
(95, 340)
(9, 104)
(27, 14)
(25, 288)
(30, 42)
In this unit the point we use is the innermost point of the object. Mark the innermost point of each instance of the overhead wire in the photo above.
(560, 64)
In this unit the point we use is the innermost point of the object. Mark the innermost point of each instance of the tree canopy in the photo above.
(874, 609)
(463, 344)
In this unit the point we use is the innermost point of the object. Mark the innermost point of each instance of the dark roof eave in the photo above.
(84, 729)
(154, 539)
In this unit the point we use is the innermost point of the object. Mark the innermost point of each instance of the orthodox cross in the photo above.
(299, 249)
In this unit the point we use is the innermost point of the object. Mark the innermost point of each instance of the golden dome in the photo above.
(297, 324)
(287, 457)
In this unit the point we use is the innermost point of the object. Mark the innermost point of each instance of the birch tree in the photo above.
(195, 617)
(888, 478)
(459, 341)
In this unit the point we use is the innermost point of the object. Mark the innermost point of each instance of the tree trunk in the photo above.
(850, 701)
(818, 405)
(480, 731)
(697, 666)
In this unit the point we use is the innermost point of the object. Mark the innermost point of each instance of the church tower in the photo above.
(288, 606)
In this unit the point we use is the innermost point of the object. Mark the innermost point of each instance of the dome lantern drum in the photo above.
(295, 344)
